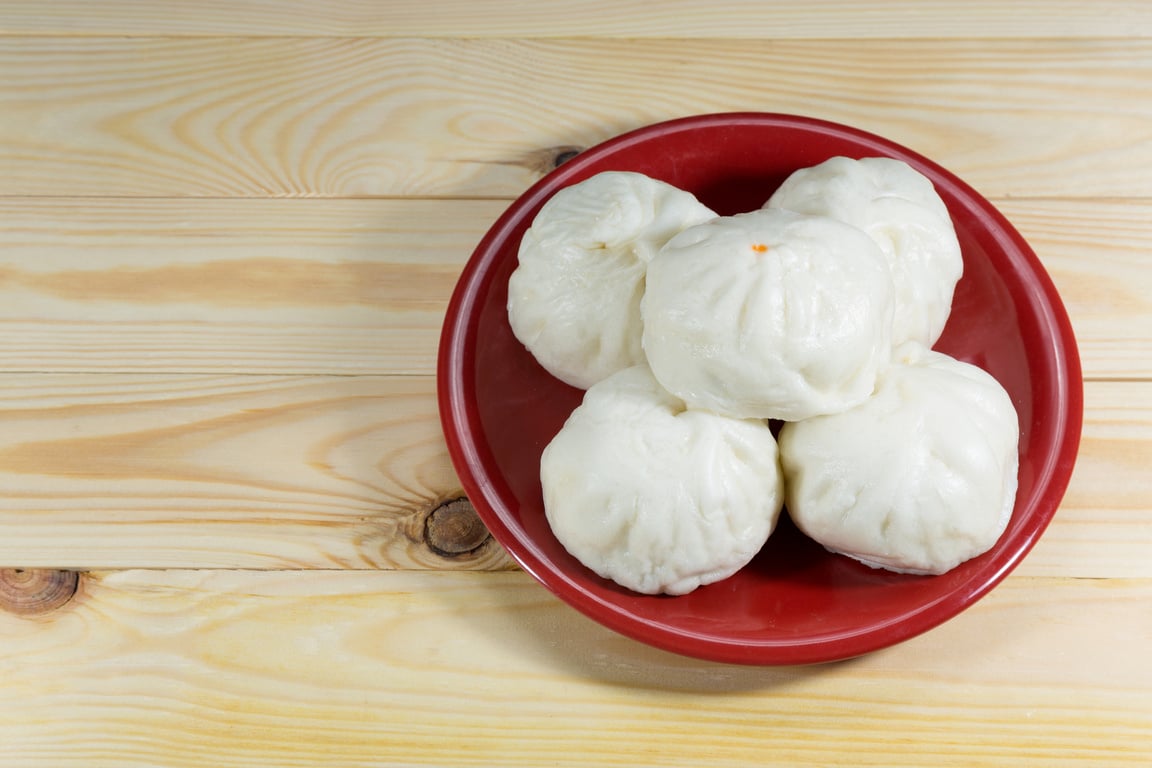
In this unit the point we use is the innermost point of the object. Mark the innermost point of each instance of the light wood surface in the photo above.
(228, 235)
(455, 117)
(268, 472)
(360, 286)
(597, 18)
(192, 668)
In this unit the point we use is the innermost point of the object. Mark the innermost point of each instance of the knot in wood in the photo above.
(546, 160)
(35, 591)
(562, 155)
(454, 528)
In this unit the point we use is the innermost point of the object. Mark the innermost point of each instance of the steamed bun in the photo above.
(901, 210)
(769, 314)
(657, 497)
(574, 298)
(918, 478)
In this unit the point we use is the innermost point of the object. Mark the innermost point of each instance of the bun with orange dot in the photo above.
(769, 314)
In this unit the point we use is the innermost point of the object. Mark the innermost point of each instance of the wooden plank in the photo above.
(157, 471)
(204, 471)
(239, 117)
(257, 286)
(354, 669)
(1096, 252)
(1102, 526)
(594, 18)
(360, 286)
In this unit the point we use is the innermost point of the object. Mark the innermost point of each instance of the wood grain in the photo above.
(600, 18)
(256, 286)
(204, 471)
(352, 669)
(228, 234)
(241, 117)
(158, 471)
(1096, 252)
(1101, 526)
(360, 286)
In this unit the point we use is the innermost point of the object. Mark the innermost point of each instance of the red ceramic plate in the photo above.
(795, 603)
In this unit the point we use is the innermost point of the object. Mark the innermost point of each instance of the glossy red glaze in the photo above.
(795, 603)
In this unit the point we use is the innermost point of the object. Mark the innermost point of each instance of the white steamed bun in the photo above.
(917, 479)
(769, 314)
(574, 298)
(657, 497)
(900, 208)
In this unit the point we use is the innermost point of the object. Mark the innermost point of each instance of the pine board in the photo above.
(314, 286)
(231, 669)
(171, 471)
(596, 18)
(451, 117)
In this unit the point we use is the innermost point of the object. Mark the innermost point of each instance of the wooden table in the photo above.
(228, 232)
